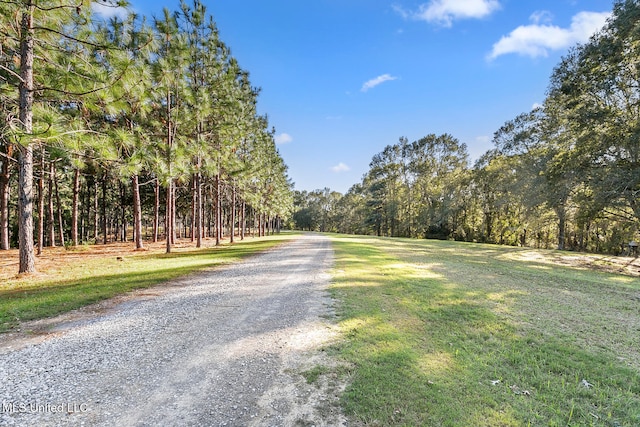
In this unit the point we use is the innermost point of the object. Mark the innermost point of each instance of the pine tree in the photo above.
(52, 40)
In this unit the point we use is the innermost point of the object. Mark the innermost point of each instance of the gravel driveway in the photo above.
(225, 347)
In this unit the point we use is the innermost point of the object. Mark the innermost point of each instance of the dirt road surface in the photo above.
(226, 347)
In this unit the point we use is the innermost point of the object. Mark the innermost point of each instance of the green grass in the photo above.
(453, 334)
(85, 281)
(312, 375)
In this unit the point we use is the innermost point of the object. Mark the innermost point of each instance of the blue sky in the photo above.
(341, 79)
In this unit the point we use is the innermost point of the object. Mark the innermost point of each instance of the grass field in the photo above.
(70, 279)
(454, 334)
(434, 333)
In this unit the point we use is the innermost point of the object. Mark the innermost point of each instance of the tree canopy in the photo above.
(566, 174)
(102, 114)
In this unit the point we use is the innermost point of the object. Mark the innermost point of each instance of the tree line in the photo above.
(565, 175)
(124, 129)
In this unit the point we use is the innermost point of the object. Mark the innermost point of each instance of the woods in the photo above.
(132, 128)
(565, 175)
(124, 129)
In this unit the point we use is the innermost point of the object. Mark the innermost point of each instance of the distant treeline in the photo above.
(564, 175)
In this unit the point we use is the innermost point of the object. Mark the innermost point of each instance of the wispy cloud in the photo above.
(340, 167)
(377, 81)
(283, 138)
(444, 12)
(401, 11)
(108, 9)
(541, 16)
(537, 39)
(483, 139)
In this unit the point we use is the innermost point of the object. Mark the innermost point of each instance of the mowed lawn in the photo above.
(457, 334)
(67, 280)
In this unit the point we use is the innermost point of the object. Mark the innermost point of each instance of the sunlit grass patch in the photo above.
(81, 281)
(441, 333)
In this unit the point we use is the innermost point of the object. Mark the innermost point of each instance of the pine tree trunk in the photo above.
(255, 224)
(254, 220)
(105, 237)
(4, 199)
(199, 210)
(51, 211)
(25, 175)
(137, 212)
(41, 205)
(233, 213)
(168, 217)
(123, 212)
(74, 212)
(117, 233)
(84, 222)
(239, 230)
(218, 212)
(243, 220)
(59, 210)
(210, 212)
(169, 211)
(156, 210)
(96, 209)
(239, 226)
(192, 231)
(174, 228)
(25, 207)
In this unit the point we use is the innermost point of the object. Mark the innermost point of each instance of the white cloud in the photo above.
(405, 14)
(107, 9)
(536, 105)
(283, 138)
(537, 40)
(541, 16)
(444, 12)
(483, 139)
(377, 81)
(340, 167)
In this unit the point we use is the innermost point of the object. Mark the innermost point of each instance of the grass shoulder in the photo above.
(71, 279)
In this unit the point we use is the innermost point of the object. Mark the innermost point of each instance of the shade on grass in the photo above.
(85, 281)
(449, 334)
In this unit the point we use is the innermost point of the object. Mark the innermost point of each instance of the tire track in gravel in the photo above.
(222, 348)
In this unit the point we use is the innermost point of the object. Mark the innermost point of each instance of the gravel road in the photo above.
(226, 347)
